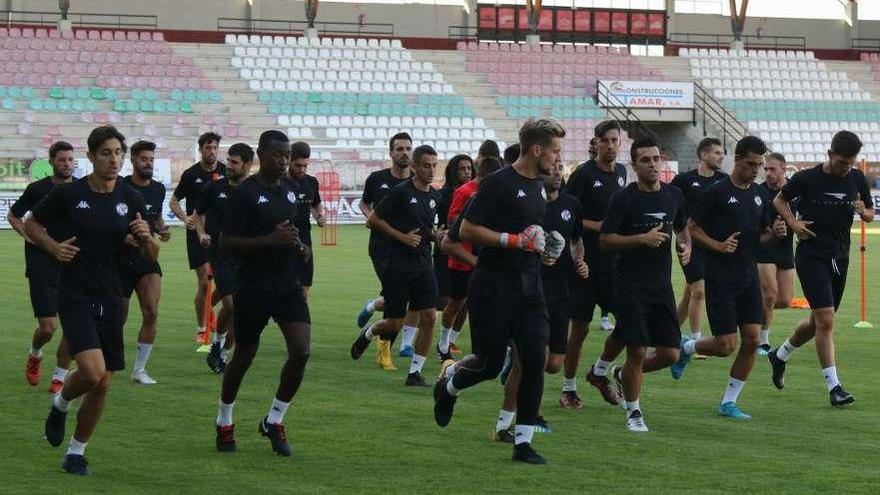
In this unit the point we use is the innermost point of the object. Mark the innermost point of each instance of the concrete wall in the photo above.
(819, 33)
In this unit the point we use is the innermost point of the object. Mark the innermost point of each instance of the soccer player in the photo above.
(829, 194)
(192, 181)
(592, 183)
(137, 272)
(506, 300)
(97, 213)
(42, 269)
(405, 216)
(211, 214)
(563, 217)
(458, 171)
(732, 218)
(693, 184)
(640, 221)
(258, 230)
(775, 259)
(378, 184)
(308, 199)
(463, 260)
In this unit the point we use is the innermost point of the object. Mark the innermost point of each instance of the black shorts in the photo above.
(782, 260)
(441, 274)
(415, 290)
(695, 270)
(253, 308)
(586, 294)
(198, 255)
(558, 317)
(647, 318)
(132, 267)
(306, 270)
(380, 266)
(459, 283)
(495, 321)
(223, 269)
(89, 324)
(823, 280)
(730, 307)
(44, 294)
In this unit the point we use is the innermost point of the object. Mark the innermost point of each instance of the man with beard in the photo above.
(193, 180)
(42, 269)
(138, 273)
(308, 202)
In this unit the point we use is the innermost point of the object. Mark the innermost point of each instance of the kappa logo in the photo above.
(291, 197)
(732, 200)
(520, 194)
(659, 215)
(149, 207)
(566, 215)
(836, 195)
(198, 180)
(413, 201)
(221, 195)
(758, 200)
(695, 184)
(598, 183)
(122, 209)
(82, 205)
(621, 181)
(383, 186)
(302, 195)
(262, 199)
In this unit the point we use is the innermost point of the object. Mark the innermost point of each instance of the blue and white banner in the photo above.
(646, 94)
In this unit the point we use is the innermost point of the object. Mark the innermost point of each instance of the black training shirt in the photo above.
(254, 211)
(632, 212)
(778, 249)
(378, 184)
(307, 196)
(406, 208)
(564, 216)
(100, 222)
(693, 185)
(213, 204)
(826, 201)
(193, 180)
(593, 187)
(37, 261)
(154, 197)
(726, 209)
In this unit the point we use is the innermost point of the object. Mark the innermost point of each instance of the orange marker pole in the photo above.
(864, 323)
(210, 321)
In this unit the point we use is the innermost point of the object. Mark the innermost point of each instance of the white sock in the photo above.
(696, 334)
(505, 419)
(450, 371)
(417, 363)
(831, 377)
(369, 333)
(61, 403)
(765, 336)
(143, 354)
(632, 406)
(224, 413)
(734, 387)
(76, 448)
(601, 367)
(277, 412)
(524, 434)
(453, 336)
(224, 354)
(569, 385)
(409, 334)
(371, 306)
(690, 347)
(785, 351)
(59, 374)
(37, 353)
(451, 388)
(444, 340)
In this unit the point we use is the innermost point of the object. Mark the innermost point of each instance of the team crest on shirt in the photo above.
(621, 181)
(291, 197)
(433, 204)
(758, 200)
(122, 209)
(543, 194)
(566, 215)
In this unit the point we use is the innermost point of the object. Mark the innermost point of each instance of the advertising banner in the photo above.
(646, 94)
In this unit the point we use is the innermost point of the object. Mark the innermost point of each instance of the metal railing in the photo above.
(749, 40)
(872, 44)
(252, 26)
(621, 112)
(713, 111)
(11, 17)
(473, 33)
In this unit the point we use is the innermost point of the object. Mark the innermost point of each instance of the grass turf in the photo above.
(356, 429)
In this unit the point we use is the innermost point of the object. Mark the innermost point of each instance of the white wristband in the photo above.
(503, 239)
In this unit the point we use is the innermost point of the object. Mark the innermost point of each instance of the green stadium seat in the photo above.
(50, 105)
(8, 104)
(159, 106)
(36, 105)
(146, 106)
(91, 106)
(64, 105)
(186, 107)
(79, 105)
(70, 93)
(56, 92)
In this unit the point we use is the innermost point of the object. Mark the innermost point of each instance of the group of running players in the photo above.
(523, 255)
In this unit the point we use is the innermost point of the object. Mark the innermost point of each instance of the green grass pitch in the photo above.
(356, 429)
